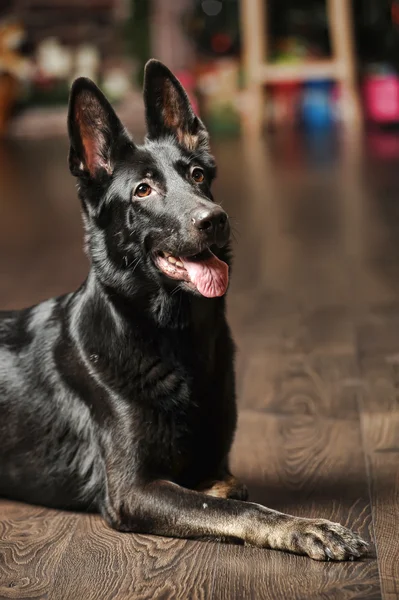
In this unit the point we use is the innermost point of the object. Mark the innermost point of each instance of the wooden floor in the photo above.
(314, 306)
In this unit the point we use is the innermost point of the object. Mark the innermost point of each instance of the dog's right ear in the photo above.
(169, 111)
(93, 130)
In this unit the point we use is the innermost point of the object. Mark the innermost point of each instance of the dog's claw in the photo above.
(330, 555)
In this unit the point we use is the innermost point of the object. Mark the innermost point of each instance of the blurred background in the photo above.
(283, 63)
(301, 98)
(302, 101)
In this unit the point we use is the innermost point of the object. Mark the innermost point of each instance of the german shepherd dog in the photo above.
(119, 398)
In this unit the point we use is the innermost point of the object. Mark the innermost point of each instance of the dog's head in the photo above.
(148, 210)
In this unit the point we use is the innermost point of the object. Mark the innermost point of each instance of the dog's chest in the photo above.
(180, 402)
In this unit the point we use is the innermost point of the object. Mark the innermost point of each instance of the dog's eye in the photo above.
(198, 175)
(142, 190)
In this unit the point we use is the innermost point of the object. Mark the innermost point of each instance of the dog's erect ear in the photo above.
(93, 128)
(168, 109)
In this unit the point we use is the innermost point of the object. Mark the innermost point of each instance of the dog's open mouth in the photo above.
(203, 272)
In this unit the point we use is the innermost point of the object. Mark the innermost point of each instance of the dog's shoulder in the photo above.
(18, 328)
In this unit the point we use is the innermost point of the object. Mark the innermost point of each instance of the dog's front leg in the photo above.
(164, 508)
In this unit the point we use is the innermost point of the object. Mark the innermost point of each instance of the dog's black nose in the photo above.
(213, 222)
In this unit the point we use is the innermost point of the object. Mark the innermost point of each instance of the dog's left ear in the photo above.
(93, 130)
(168, 109)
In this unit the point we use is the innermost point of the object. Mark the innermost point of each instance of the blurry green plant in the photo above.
(137, 35)
(54, 95)
(223, 120)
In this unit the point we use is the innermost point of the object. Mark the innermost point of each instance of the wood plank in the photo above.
(102, 563)
(378, 332)
(381, 436)
(33, 541)
(299, 464)
(321, 384)
(311, 370)
(381, 384)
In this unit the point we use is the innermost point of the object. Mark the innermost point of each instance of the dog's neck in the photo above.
(177, 309)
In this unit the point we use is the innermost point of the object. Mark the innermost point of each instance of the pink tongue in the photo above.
(210, 276)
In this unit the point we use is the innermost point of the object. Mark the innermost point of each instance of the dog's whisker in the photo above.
(136, 265)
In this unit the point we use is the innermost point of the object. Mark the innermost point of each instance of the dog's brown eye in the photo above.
(142, 190)
(198, 175)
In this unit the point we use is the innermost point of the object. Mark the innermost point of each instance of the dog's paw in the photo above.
(323, 540)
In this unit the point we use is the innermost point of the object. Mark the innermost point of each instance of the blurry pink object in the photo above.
(381, 98)
(187, 80)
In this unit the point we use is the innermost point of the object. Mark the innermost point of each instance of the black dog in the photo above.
(119, 398)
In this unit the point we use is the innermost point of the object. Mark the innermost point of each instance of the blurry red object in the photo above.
(221, 42)
(383, 145)
(395, 12)
(285, 103)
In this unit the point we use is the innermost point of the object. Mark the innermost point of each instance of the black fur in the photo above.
(131, 365)
(119, 397)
